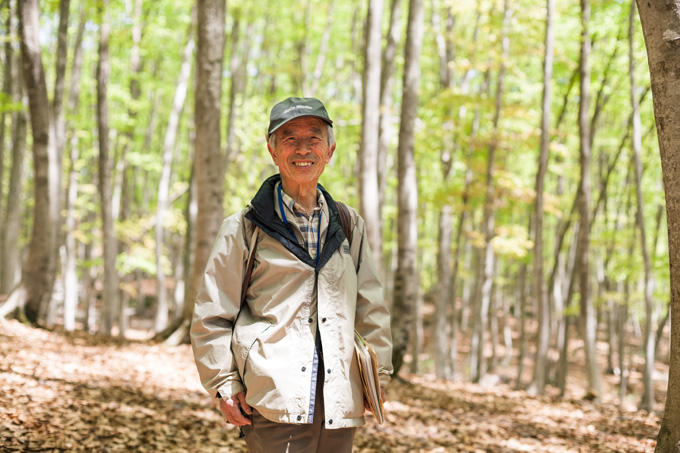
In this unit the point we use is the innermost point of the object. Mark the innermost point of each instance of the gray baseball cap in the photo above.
(293, 108)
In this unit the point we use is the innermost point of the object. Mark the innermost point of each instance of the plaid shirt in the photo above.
(305, 226)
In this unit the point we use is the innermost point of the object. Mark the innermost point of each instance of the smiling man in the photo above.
(283, 291)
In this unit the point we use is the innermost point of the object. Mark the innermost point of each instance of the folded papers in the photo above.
(368, 369)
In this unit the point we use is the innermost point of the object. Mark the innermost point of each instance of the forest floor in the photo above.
(75, 392)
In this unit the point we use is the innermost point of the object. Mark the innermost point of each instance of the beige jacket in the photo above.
(267, 346)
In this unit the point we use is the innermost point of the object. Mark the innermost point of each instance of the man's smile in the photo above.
(303, 164)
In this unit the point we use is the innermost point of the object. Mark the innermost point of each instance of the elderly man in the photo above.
(280, 353)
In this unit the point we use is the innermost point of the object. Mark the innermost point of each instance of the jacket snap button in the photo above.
(329, 370)
(299, 417)
(330, 422)
(310, 320)
(304, 368)
(323, 319)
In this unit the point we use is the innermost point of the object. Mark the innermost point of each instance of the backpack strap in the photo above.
(345, 220)
(249, 267)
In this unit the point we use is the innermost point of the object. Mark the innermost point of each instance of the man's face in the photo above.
(302, 150)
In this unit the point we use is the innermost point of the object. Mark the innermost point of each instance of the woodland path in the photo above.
(76, 392)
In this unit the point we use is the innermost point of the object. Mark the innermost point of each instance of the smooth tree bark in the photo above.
(387, 110)
(37, 279)
(181, 89)
(661, 27)
(110, 296)
(543, 338)
(588, 320)
(486, 263)
(369, 206)
(208, 161)
(9, 241)
(8, 64)
(442, 334)
(647, 402)
(69, 267)
(406, 278)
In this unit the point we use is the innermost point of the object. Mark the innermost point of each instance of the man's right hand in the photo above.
(233, 409)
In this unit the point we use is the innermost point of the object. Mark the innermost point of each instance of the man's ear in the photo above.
(272, 152)
(330, 152)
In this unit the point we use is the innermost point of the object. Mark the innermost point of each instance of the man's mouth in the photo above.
(303, 164)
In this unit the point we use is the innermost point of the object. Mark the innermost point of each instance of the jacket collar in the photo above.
(263, 214)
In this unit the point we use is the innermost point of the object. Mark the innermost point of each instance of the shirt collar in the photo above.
(295, 207)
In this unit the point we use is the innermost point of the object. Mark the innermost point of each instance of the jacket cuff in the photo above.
(384, 378)
(229, 389)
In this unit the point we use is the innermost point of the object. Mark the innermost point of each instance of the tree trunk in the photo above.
(661, 27)
(587, 319)
(7, 76)
(647, 402)
(406, 279)
(10, 250)
(368, 150)
(543, 338)
(69, 269)
(181, 89)
(39, 272)
(209, 166)
(323, 48)
(110, 299)
(387, 109)
(486, 262)
(442, 330)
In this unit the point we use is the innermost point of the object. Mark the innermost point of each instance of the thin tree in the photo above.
(110, 299)
(542, 342)
(487, 259)
(368, 150)
(181, 89)
(406, 278)
(647, 402)
(587, 311)
(661, 26)
(208, 161)
(9, 241)
(69, 267)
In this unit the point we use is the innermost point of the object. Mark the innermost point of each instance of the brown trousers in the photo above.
(265, 436)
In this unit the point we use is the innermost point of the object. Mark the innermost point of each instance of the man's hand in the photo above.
(235, 409)
(382, 397)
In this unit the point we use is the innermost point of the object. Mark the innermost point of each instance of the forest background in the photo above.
(503, 153)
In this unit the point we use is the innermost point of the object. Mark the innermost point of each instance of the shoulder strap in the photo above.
(345, 220)
(249, 267)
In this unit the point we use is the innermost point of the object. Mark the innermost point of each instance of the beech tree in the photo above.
(405, 280)
(661, 27)
(37, 279)
(208, 161)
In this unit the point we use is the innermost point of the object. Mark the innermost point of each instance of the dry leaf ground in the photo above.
(75, 392)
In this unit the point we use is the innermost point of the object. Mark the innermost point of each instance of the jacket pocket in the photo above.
(245, 361)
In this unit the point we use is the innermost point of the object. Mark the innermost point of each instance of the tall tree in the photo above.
(587, 315)
(368, 151)
(9, 241)
(37, 279)
(487, 259)
(208, 161)
(69, 267)
(164, 183)
(406, 278)
(647, 402)
(542, 341)
(661, 26)
(110, 299)
(442, 335)
(386, 108)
